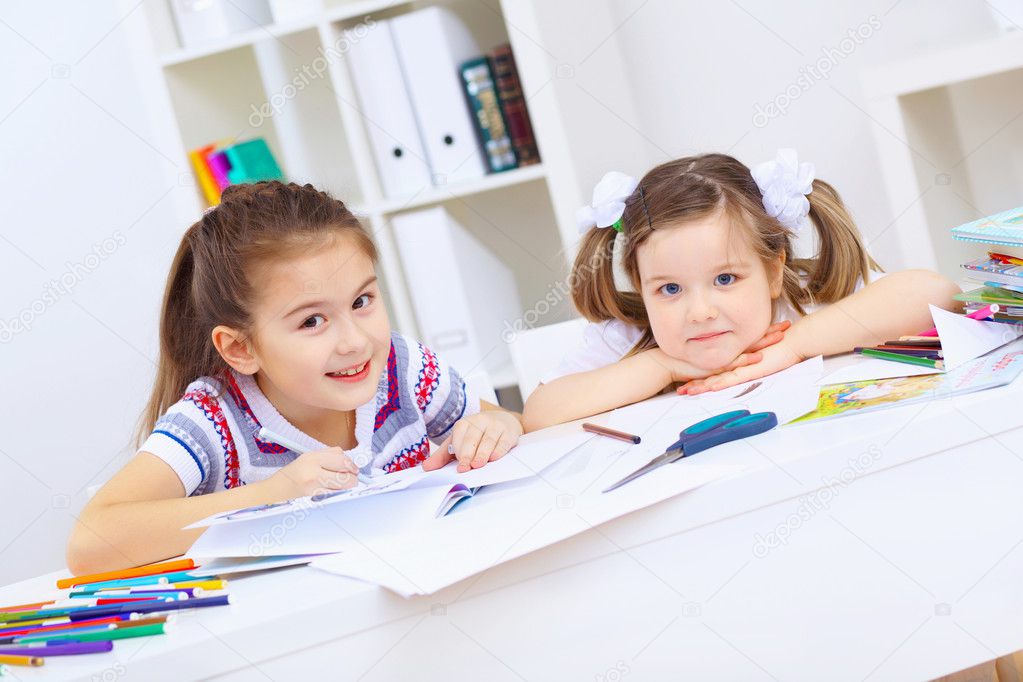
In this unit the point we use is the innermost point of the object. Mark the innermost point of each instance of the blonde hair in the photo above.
(210, 278)
(699, 186)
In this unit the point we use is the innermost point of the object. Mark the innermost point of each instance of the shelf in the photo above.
(954, 64)
(436, 195)
(343, 12)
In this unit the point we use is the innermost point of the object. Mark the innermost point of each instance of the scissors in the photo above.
(704, 435)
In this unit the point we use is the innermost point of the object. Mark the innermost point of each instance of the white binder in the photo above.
(463, 295)
(400, 159)
(432, 44)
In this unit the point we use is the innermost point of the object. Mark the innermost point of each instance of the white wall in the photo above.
(700, 69)
(82, 160)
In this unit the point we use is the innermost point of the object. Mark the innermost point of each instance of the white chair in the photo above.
(537, 351)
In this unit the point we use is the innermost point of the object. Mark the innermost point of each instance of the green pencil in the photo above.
(119, 633)
(908, 359)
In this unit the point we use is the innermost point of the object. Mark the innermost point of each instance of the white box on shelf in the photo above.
(290, 11)
(389, 120)
(463, 295)
(432, 44)
(203, 21)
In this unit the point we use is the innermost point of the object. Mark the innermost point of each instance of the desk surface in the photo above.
(878, 546)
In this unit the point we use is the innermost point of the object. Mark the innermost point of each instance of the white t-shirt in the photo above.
(607, 342)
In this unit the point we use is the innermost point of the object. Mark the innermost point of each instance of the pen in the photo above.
(268, 435)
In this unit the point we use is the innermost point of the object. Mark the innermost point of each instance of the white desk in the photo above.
(910, 571)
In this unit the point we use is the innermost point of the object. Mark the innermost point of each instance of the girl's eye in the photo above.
(362, 301)
(313, 321)
(725, 279)
(670, 289)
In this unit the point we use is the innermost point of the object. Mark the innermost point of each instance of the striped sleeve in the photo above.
(186, 440)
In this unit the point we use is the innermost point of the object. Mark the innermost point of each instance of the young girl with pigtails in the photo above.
(279, 376)
(688, 277)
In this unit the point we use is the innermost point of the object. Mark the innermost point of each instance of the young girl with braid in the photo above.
(272, 323)
(688, 276)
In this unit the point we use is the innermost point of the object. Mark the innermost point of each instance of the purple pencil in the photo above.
(63, 649)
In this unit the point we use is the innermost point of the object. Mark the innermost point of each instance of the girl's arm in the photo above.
(137, 517)
(893, 306)
(629, 380)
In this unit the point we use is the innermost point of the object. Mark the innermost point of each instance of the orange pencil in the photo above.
(151, 569)
(34, 661)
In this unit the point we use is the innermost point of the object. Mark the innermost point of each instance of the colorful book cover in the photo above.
(988, 295)
(252, 161)
(1002, 228)
(490, 125)
(204, 175)
(513, 105)
(990, 371)
(220, 167)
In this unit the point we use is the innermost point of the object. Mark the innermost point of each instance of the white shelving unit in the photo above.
(949, 139)
(319, 134)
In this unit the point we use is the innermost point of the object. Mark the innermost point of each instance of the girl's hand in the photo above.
(774, 334)
(476, 440)
(681, 371)
(775, 358)
(312, 472)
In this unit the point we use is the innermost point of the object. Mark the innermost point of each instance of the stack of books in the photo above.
(225, 162)
(1000, 272)
(499, 109)
(998, 299)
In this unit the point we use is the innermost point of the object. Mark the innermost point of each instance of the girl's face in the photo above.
(706, 291)
(321, 334)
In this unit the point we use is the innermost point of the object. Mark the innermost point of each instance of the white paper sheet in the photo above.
(963, 339)
(526, 520)
(224, 566)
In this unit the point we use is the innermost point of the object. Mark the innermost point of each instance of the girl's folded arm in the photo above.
(631, 379)
(893, 306)
(138, 516)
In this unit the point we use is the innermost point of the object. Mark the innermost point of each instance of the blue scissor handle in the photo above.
(724, 428)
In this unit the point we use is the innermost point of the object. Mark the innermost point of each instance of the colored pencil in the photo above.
(99, 635)
(140, 571)
(152, 607)
(149, 580)
(60, 649)
(11, 659)
(610, 433)
(908, 359)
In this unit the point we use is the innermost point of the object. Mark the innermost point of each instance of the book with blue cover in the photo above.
(1001, 228)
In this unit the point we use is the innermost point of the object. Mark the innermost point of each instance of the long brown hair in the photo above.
(699, 186)
(210, 280)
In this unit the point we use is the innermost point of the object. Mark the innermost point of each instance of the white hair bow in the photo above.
(784, 184)
(608, 202)
(605, 210)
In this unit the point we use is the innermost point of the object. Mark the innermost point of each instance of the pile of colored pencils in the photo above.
(100, 608)
(921, 350)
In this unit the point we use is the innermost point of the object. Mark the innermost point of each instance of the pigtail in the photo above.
(186, 349)
(593, 285)
(842, 260)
